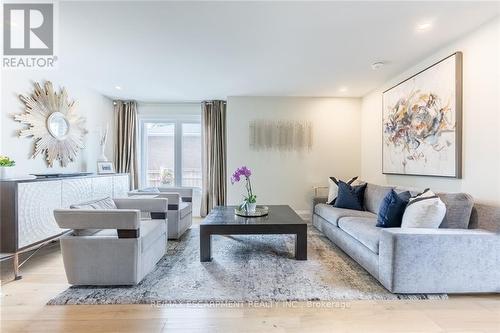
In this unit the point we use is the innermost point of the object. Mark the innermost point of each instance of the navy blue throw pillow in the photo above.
(350, 197)
(392, 209)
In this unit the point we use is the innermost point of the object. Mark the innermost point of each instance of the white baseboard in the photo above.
(304, 214)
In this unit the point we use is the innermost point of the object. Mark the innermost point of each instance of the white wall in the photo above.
(481, 120)
(97, 109)
(169, 109)
(289, 178)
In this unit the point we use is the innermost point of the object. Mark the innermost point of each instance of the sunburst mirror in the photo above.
(53, 122)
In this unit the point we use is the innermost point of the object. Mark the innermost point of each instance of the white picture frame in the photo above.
(104, 168)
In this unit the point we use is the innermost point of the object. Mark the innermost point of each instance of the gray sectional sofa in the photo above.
(462, 256)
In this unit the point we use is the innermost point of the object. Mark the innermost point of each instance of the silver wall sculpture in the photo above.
(54, 124)
(281, 135)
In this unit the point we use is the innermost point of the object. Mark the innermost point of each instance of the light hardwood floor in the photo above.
(23, 309)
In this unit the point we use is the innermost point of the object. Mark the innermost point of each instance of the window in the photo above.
(191, 155)
(159, 143)
(171, 152)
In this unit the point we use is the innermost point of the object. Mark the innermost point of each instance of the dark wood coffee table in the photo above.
(280, 220)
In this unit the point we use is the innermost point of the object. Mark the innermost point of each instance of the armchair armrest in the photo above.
(125, 219)
(439, 260)
(173, 199)
(149, 205)
(185, 193)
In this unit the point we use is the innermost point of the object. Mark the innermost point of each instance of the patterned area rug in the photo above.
(258, 268)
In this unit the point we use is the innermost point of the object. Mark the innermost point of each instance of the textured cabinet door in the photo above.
(121, 186)
(36, 202)
(75, 191)
(102, 187)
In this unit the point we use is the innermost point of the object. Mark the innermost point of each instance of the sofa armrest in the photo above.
(439, 260)
(77, 219)
(149, 205)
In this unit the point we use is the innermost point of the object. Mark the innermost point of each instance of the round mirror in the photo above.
(58, 125)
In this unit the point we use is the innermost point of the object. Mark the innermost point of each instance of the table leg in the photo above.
(205, 246)
(301, 245)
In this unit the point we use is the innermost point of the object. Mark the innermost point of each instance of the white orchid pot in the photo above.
(251, 207)
(5, 172)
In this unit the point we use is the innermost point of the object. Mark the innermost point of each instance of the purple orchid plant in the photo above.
(244, 173)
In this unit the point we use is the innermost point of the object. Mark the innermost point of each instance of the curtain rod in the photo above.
(172, 103)
(179, 102)
(123, 101)
(212, 102)
(168, 103)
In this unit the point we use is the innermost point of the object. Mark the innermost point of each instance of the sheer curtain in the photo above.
(125, 113)
(213, 123)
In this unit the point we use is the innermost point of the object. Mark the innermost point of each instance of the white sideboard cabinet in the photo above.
(27, 206)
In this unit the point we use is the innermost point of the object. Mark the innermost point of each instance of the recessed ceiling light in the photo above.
(118, 88)
(423, 26)
(377, 65)
(343, 89)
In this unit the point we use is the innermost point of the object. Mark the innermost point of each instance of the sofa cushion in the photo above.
(458, 210)
(350, 197)
(374, 194)
(333, 214)
(362, 229)
(185, 208)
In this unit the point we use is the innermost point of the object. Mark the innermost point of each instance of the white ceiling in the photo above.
(171, 51)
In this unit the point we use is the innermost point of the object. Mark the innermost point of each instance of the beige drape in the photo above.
(213, 155)
(126, 139)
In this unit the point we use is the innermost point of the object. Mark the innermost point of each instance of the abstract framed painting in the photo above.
(422, 122)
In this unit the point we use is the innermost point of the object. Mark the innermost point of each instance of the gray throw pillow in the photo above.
(458, 210)
(105, 203)
(374, 195)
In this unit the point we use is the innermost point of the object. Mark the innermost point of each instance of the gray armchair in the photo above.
(180, 207)
(111, 244)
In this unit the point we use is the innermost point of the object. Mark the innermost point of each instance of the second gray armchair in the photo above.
(180, 207)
